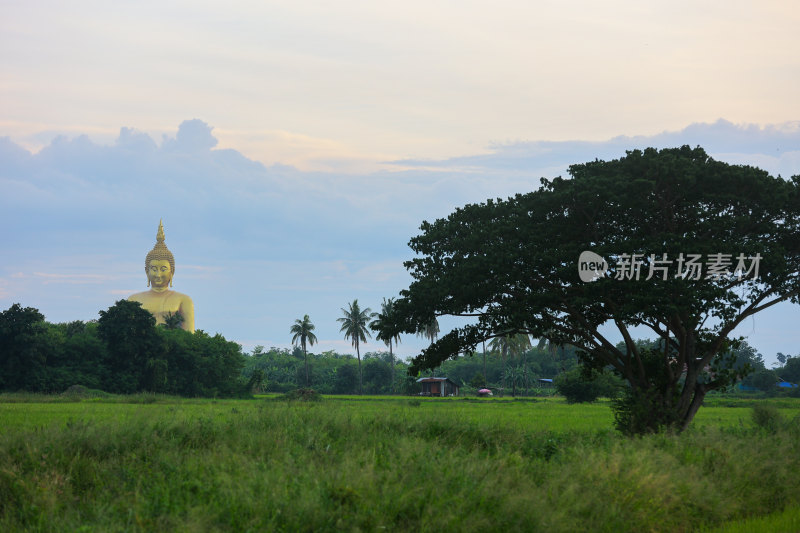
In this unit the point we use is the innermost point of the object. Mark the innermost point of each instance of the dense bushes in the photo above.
(579, 386)
(122, 352)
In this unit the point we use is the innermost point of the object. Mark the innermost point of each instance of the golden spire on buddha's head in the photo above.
(160, 251)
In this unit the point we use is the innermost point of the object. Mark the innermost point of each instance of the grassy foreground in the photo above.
(159, 464)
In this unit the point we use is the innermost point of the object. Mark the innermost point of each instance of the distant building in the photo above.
(438, 387)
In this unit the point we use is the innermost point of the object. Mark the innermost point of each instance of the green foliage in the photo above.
(198, 364)
(79, 392)
(383, 327)
(303, 395)
(512, 266)
(383, 322)
(579, 386)
(763, 380)
(429, 330)
(786, 520)
(303, 331)
(336, 373)
(173, 320)
(354, 325)
(640, 411)
(767, 417)
(23, 348)
(650, 408)
(135, 348)
(347, 379)
(123, 352)
(477, 381)
(377, 375)
(791, 370)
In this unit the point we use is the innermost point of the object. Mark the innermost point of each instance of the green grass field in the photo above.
(150, 463)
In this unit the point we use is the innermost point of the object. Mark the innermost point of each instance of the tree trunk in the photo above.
(360, 381)
(391, 357)
(525, 372)
(653, 409)
(697, 401)
(484, 365)
(305, 356)
(503, 372)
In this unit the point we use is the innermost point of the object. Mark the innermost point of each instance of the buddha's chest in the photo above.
(164, 306)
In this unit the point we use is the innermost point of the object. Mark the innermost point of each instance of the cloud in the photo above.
(75, 279)
(776, 146)
(194, 136)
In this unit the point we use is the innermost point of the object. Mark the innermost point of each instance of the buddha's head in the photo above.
(159, 265)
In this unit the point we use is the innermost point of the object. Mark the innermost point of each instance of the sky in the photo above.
(292, 149)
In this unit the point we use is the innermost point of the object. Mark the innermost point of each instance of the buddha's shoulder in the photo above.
(181, 296)
(139, 296)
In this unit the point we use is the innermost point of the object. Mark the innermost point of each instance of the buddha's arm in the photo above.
(187, 312)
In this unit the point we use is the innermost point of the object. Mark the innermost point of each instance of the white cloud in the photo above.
(366, 83)
(74, 279)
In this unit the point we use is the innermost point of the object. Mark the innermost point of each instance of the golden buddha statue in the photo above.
(160, 300)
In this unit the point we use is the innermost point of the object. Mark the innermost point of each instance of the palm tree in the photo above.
(500, 344)
(354, 325)
(521, 343)
(173, 320)
(430, 330)
(380, 325)
(510, 344)
(516, 375)
(555, 350)
(303, 331)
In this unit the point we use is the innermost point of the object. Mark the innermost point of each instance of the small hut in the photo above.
(438, 387)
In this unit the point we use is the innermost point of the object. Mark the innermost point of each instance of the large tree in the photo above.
(354, 325)
(303, 331)
(686, 247)
(136, 352)
(23, 352)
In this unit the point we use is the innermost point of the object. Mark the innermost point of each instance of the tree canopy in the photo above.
(681, 244)
(122, 352)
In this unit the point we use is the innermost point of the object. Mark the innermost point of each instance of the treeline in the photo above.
(281, 370)
(767, 379)
(125, 352)
(121, 352)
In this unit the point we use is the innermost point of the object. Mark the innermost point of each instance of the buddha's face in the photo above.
(159, 273)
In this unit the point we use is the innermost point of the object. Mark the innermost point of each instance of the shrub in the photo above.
(767, 417)
(763, 380)
(78, 392)
(580, 386)
(303, 395)
(637, 412)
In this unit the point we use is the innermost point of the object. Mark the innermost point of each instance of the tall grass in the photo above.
(359, 465)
